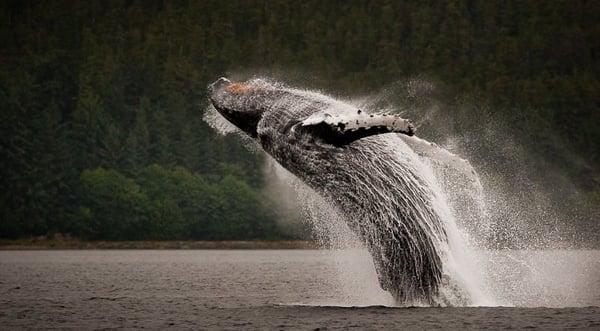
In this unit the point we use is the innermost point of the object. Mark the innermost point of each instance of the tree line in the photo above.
(102, 134)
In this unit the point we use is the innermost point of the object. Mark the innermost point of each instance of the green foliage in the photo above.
(169, 204)
(101, 102)
(113, 205)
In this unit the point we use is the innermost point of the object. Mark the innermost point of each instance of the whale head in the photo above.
(273, 113)
(239, 103)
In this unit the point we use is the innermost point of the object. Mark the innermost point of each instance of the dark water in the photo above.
(275, 289)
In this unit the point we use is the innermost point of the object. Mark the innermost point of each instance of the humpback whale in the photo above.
(361, 164)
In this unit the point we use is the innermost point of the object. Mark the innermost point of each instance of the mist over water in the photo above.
(480, 210)
(529, 200)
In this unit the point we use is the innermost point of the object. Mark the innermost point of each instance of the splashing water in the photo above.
(358, 279)
(382, 193)
(473, 274)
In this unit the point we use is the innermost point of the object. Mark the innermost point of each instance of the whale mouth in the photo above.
(230, 100)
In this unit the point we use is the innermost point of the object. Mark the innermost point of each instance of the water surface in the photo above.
(284, 289)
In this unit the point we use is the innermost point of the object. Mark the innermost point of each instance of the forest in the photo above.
(102, 135)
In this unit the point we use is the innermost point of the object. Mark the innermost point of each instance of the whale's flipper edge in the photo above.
(344, 129)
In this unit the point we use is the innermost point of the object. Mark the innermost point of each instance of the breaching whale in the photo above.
(353, 159)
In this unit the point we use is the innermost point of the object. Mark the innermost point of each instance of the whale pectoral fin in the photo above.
(343, 129)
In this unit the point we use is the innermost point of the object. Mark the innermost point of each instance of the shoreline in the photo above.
(42, 243)
(50, 244)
